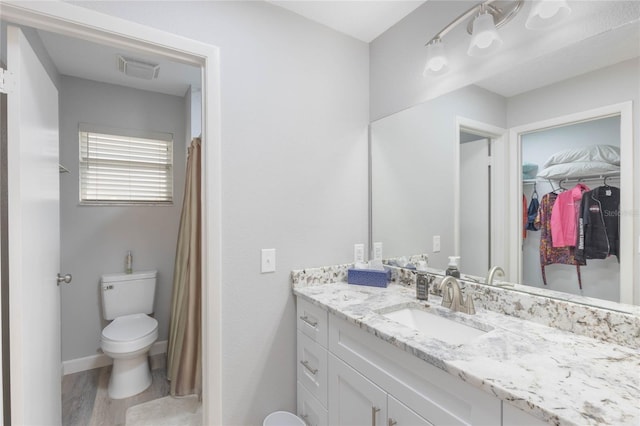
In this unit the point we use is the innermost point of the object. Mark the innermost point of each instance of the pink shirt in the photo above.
(564, 216)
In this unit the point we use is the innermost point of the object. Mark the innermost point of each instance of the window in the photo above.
(125, 167)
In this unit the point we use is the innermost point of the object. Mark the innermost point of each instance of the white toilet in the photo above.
(127, 299)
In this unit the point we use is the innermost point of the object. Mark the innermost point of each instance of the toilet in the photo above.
(127, 299)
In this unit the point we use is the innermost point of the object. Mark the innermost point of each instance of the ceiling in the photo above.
(363, 20)
(83, 59)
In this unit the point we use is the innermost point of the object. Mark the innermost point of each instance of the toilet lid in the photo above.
(130, 327)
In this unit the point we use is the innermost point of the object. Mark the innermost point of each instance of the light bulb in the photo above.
(485, 38)
(437, 62)
(547, 13)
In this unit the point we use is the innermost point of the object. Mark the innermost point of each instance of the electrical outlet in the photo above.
(377, 251)
(358, 253)
(436, 243)
(268, 260)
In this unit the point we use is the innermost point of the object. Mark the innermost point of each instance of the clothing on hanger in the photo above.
(599, 224)
(532, 211)
(548, 253)
(564, 219)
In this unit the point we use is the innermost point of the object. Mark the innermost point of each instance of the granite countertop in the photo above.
(557, 376)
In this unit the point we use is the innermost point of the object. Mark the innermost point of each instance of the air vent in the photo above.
(138, 68)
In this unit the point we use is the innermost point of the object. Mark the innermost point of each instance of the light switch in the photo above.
(268, 260)
(436, 243)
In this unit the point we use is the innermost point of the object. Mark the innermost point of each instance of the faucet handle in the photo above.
(469, 307)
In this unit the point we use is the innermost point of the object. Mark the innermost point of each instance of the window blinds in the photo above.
(117, 169)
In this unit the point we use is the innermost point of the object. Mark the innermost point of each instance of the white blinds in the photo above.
(117, 169)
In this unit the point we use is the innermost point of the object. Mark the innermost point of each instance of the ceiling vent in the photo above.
(138, 68)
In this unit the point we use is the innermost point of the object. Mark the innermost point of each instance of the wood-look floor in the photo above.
(85, 400)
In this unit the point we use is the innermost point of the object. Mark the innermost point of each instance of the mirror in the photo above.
(425, 196)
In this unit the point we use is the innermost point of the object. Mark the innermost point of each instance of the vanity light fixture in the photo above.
(487, 17)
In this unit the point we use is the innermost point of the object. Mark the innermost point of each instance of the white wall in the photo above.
(413, 180)
(94, 239)
(294, 175)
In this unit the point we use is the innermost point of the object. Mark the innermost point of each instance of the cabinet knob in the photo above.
(392, 422)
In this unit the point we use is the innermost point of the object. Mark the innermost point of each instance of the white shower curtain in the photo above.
(184, 362)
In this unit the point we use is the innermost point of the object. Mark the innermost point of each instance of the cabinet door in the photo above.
(354, 400)
(401, 415)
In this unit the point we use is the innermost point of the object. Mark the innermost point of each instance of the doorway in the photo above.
(479, 158)
(82, 23)
(627, 281)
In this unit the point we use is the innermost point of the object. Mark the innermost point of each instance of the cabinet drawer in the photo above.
(312, 321)
(309, 408)
(312, 367)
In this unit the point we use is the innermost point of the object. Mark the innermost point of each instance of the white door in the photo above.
(353, 399)
(34, 234)
(475, 243)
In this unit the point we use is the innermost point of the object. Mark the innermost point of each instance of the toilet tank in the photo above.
(125, 294)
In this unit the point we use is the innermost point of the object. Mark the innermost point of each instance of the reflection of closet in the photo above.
(600, 278)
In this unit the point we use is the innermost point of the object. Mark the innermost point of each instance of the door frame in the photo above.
(627, 161)
(498, 140)
(79, 22)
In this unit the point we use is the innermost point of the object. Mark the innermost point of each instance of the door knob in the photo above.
(64, 279)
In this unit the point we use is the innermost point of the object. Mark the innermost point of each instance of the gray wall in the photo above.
(95, 239)
(294, 175)
(413, 175)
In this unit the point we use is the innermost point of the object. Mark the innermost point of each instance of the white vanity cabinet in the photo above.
(348, 376)
(312, 326)
(421, 393)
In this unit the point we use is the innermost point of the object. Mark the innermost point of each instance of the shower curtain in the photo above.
(184, 362)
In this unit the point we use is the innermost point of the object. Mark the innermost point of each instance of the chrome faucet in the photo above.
(492, 273)
(496, 271)
(452, 297)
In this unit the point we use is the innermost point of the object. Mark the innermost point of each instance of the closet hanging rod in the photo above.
(573, 179)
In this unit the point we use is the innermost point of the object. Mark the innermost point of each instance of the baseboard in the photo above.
(100, 360)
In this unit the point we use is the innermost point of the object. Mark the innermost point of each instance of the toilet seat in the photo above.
(129, 333)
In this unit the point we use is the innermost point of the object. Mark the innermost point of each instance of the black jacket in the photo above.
(599, 224)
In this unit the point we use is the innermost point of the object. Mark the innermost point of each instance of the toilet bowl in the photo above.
(126, 301)
(127, 340)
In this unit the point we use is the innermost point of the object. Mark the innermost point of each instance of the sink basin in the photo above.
(435, 326)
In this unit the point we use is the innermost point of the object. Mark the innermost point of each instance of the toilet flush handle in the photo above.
(64, 279)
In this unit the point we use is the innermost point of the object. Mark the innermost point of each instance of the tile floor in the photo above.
(85, 400)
